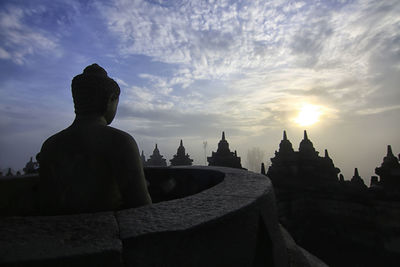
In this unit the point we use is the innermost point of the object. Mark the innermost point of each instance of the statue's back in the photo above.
(77, 172)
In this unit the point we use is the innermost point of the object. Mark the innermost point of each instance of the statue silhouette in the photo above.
(90, 166)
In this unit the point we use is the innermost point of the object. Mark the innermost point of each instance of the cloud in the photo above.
(142, 98)
(308, 42)
(19, 39)
(165, 122)
(211, 40)
(248, 66)
(121, 82)
(242, 43)
(370, 111)
(4, 54)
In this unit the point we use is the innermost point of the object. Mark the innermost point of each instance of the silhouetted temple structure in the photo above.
(389, 171)
(143, 159)
(289, 166)
(374, 181)
(343, 222)
(341, 178)
(356, 180)
(224, 157)
(263, 169)
(31, 167)
(9, 172)
(156, 159)
(181, 158)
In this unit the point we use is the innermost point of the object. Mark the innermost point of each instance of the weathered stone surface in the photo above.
(202, 237)
(230, 220)
(75, 240)
(177, 215)
(270, 219)
(231, 224)
(242, 183)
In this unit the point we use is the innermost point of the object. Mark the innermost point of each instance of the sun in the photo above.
(308, 115)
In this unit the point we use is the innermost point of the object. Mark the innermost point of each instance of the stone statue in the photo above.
(90, 166)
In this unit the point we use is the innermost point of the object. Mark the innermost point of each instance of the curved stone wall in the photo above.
(172, 183)
(230, 220)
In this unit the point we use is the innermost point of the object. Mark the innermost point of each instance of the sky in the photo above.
(192, 69)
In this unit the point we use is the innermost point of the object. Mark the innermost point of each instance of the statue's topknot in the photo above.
(96, 70)
(92, 89)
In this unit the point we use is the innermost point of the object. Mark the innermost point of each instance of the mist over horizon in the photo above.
(192, 69)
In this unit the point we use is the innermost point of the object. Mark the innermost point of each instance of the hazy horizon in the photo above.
(192, 69)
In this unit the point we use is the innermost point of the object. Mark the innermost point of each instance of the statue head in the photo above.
(95, 93)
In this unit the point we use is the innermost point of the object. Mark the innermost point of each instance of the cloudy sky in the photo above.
(192, 69)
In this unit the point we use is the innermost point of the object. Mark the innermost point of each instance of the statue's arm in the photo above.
(130, 175)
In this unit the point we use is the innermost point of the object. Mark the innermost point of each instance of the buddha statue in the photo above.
(90, 166)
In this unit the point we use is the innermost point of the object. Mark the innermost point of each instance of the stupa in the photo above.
(303, 166)
(389, 171)
(224, 157)
(181, 158)
(156, 159)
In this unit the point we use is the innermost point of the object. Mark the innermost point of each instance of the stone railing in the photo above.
(214, 216)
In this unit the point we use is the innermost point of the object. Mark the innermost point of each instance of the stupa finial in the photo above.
(389, 151)
(356, 172)
(262, 168)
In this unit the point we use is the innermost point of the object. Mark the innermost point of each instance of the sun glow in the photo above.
(308, 115)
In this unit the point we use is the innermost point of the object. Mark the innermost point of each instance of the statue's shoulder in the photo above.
(120, 136)
(53, 146)
(122, 143)
(55, 139)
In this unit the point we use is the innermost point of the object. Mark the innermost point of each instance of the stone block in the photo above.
(74, 240)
